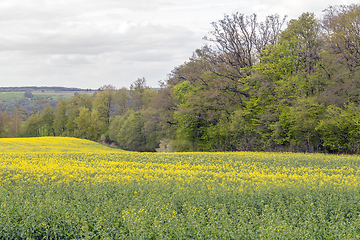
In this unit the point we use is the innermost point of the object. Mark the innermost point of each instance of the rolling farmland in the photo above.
(66, 188)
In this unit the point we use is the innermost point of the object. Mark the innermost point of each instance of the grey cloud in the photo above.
(68, 60)
(88, 43)
(149, 39)
(15, 10)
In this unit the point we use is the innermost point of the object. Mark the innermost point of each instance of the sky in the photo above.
(91, 43)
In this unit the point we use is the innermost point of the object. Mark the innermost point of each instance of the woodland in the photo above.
(272, 85)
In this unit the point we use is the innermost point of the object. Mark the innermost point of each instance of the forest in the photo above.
(272, 85)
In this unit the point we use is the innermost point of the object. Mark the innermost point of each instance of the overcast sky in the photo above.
(90, 43)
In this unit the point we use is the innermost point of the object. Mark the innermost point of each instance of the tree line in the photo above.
(267, 85)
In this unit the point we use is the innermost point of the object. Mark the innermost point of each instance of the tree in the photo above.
(135, 131)
(286, 66)
(163, 107)
(31, 127)
(138, 91)
(73, 106)
(296, 129)
(340, 129)
(60, 118)
(342, 27)
(304, 34)
(341, 60)
(238, 41)
(121, 101)
(47, 118)
(190, 116)
(4, 124)
(84, 124)
(28, 94)
(102, 104)
(130, 132)
(152, 129)
(15, 122)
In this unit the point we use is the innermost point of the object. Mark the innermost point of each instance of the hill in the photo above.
(35, 88)
(51, 144)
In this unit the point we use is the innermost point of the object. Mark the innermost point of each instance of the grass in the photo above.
(12, 96)
(66, 188)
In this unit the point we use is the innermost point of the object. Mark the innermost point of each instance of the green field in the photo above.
(12, 96)
(66, 188)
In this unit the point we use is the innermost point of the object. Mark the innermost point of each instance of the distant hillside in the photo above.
(34, 88)
(10, 96)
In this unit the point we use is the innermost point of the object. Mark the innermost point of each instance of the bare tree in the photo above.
(341, 26)
(239, 39)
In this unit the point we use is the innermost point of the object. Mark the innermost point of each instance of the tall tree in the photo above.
(47, 121)
(138, 90)
(341, 59)
(121, 100)
(238, 40)
(60, 118)
(4, 124)
(342, 31)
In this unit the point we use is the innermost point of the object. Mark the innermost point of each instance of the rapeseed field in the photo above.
(67, 188)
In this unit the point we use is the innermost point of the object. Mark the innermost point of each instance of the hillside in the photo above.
(42, 88)
(52, 144)
(10, 96)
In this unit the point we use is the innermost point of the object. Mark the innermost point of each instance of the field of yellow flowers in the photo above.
(67, 188)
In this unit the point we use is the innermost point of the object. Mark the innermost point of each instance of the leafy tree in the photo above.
(140, 94)
(60, 119)
(73, 106)
(121, 101)
(287, 65)
(304, 33)
(189, 116)
(47, 121)
(136, 131)
(15, 122)
(340, 129)
(31, 127)
(296, 129)
(116, 126)
(131, 135)
(4, 124)
(102, 104)
(84, 124)
(28, 94)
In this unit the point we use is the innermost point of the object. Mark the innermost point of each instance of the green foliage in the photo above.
(61, 119)
(297, 126)
(47, 120)
(31, 127)
(130, 132)
(340, 129)
(191, 118)
(279, 61)
(131, 135)
(102, 104)
(28, 94)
